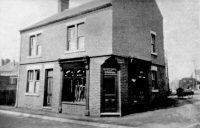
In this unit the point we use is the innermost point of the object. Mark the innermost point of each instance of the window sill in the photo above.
(154, 53)
(32, 94)
(31, 57)
(155, 90)
(74, 103)
(69, 52)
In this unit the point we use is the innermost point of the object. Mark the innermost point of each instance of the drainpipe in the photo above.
(61, 86)
(87, 67)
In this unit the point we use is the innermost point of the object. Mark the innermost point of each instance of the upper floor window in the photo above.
(35, 45)
(75, 37)
(153, 42)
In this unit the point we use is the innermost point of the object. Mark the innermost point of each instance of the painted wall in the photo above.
(36, 101)
(132, 22)
(98, 39)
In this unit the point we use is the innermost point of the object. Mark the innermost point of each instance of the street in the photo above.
(11, 121)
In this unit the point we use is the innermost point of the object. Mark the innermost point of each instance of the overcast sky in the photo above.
(181, 29)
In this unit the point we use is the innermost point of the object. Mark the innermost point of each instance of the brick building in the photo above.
(99, 58)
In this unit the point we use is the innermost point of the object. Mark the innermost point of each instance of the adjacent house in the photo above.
(8, 83)
(100, 58)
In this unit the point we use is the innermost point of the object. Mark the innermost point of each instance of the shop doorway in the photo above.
(109, 87)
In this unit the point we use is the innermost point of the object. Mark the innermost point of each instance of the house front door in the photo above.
(48, 88)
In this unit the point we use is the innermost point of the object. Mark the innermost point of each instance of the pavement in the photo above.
(182, 113)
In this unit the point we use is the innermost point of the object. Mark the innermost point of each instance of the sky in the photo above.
(181, 20)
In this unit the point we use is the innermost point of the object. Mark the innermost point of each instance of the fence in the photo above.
(7, 97)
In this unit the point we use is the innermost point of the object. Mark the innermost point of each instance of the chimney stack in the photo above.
(62, 5)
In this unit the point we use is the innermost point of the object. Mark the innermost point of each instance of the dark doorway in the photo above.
(109, 95)
(138, 85)
(48, 87)
(109, 87)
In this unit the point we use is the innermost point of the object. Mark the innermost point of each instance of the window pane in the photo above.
(81, 28)
(30, 75)
(37, 74)
(73, 45)
(109, 85)
(31, 87)
(153, 39)
(38, 50)
(70, 38)
(80, 45)
(36, 89)
(39, 38)
(71, 32)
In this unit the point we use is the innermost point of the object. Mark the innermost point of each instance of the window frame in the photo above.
(154, 71)
(34, 81)
(35, 51)
(67, 44)
(153, 43)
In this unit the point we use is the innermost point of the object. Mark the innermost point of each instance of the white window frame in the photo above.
(37, 51)
(153, 43)
(154, 69)
(75, 24)
(36, 88)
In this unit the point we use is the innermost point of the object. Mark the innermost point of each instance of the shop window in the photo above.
(33, 81)
(74, 88)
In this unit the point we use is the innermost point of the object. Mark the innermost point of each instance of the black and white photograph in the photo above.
(99, 64)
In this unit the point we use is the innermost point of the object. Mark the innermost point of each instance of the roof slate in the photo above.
(69, 13)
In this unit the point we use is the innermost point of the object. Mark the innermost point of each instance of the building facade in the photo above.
(97, 59)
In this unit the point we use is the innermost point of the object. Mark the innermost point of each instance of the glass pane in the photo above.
(30, 75)
(79, 90)
(31, 87)
(37, 74)
(109, 85)
(81, 45)
(38, 50)
(39, 38)
(37, 83)
(80, 72)
(81, 29)
(71, 32)
(73, 45)
(69, 73)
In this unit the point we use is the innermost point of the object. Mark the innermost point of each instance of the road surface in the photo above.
(11, 121)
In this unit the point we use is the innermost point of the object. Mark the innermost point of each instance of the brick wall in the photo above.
(95, 85)
(123, 83)
(73, 109)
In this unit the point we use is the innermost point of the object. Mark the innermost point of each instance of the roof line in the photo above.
(68, 17)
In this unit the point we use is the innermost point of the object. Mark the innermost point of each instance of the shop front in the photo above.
(74, 97)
